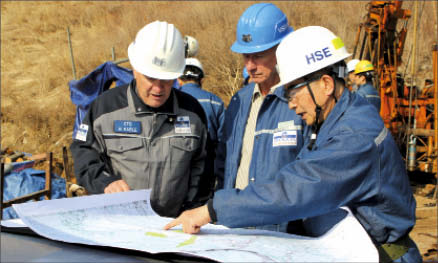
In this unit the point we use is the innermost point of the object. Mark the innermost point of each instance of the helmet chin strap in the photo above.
(334, 87)
(316, 125)
(318, 109)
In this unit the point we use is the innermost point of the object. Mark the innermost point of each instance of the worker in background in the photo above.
(353, 161)
(364, 71)
(351, 76)
(427, 90)
(191, 46)
(191, 83)
(147, 135)
(261, 134)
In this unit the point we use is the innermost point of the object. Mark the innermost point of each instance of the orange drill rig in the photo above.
(408, 112)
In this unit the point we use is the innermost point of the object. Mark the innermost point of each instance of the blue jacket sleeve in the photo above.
(344, 169)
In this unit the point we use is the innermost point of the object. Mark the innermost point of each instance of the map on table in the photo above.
(126, 220)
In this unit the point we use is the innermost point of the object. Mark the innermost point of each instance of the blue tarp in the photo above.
(85, 90)
(26, 181)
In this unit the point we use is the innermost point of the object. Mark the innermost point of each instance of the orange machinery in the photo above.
(410, 114)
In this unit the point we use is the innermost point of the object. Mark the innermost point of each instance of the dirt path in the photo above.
(425, 232)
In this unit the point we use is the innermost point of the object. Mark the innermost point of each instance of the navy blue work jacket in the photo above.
(213, 106)
(370, 94)
(354, 162)
(278, 137)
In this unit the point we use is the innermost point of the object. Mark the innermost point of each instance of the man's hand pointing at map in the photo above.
(191, 220)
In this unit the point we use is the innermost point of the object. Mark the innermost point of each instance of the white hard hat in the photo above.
(191, 45)
(308, 50)
(194, 63)
(158, 51)
(351, 65)
(189, 72)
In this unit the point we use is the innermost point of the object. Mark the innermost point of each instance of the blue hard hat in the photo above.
(260, 27)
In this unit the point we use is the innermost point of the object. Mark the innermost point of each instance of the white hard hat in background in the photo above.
(351, 65)
(191, 46)
(194, 63)
(307, 50)
(158, 51)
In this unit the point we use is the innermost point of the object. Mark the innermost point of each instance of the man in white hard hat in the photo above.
(191, 48)
(261, 134)
(147, 134)
(191, 83)
(352, 159)
(351, 75)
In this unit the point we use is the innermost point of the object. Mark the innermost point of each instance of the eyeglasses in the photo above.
(291, 90)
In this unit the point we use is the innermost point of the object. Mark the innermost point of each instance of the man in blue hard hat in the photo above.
(260, 133)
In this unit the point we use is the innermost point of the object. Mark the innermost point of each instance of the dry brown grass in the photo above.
(37, 114)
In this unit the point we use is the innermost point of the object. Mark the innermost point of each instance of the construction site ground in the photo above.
(425, 232)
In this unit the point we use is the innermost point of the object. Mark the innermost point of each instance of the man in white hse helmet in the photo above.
(147, 134)
(353, 161)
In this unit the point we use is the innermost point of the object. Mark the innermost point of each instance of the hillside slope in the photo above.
(37, 114)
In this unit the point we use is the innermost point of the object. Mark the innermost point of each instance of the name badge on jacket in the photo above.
(81, 133)
(182, 124)
(131, 127)
(285, 138)
(286, 125)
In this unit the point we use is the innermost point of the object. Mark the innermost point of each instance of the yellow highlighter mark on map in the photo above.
(155, 234)
(187, 242)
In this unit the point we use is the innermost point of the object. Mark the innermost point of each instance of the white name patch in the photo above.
(286, 125)
(284, 138)
(182, 124)
(81, 133)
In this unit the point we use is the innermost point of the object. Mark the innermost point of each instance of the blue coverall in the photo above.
(370, 94)
(354, 162)
(275, 121)
(213, 106)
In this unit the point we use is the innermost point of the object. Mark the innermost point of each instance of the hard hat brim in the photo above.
(241, 49)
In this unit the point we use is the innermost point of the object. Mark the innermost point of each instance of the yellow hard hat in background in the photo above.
(363, 66)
